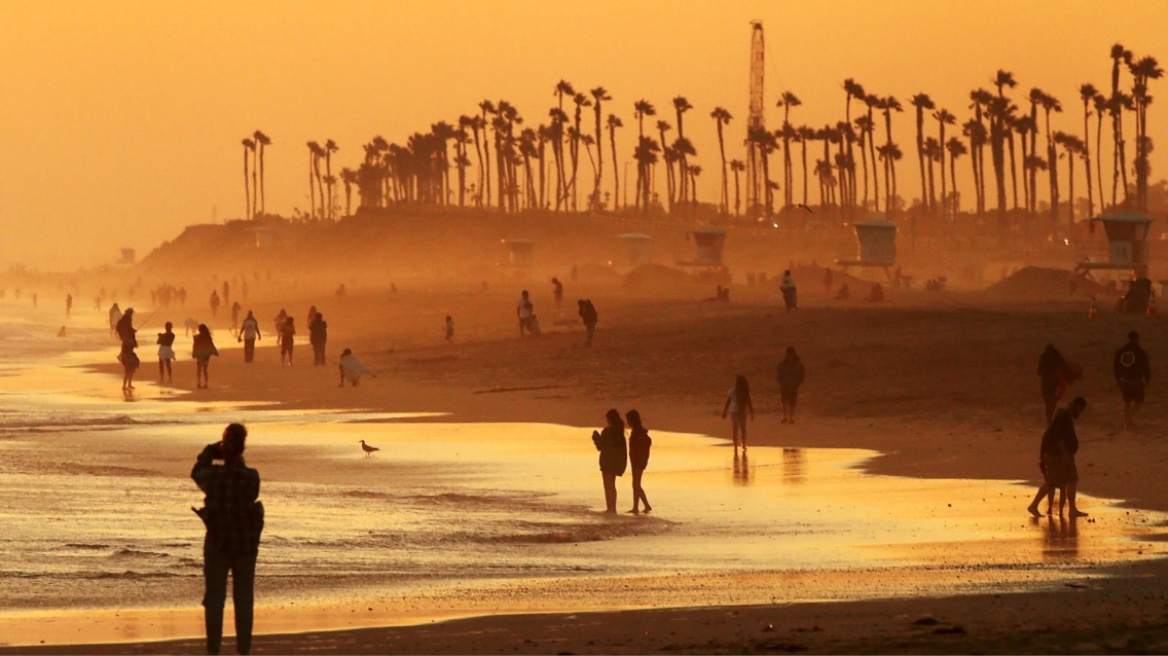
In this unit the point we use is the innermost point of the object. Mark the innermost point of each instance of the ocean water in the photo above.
(451, 519)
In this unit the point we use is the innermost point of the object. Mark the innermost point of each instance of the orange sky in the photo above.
(121, 120)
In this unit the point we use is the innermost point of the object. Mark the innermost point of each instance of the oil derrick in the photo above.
(755, 180)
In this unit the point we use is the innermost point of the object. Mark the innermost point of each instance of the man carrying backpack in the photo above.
(588, 314)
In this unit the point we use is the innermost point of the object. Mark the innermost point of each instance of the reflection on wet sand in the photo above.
(741, 468)
(1060, 540)
(794, 464)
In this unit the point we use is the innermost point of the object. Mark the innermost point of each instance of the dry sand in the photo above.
(943, 385)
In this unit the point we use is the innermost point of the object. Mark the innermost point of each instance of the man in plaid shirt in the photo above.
(234, 520)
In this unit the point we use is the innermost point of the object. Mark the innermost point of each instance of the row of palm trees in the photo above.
(519, 167)
(253, 173)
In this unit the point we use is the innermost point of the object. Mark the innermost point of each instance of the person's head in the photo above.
(634, 418)
(555, 280)
(1133, 337)
(169, 326)
(346, 352)
(204, 330)
(787, 272)
(249, 314)
(614, 419)
(1077, 406)
(290, 321)
(524, 293)
(791, 353)
(129, 310)
(234, 441)
(319, 316)
(449, 318)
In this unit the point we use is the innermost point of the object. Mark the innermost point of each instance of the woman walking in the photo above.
(129, 358)
(165, 343)
(614, 456)
(737, 405)
(202, 350)
(639, 445)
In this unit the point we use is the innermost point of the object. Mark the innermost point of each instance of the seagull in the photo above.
(368, 449)
(802, 206)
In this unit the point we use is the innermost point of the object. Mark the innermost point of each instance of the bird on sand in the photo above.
(368, 449)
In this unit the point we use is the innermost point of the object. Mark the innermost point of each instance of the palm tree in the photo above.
(765, 142)
(976, 133)
(330, 147)
(646, 156)
(934, 152)
(1142, 70)
(1100, 104)
(599, 95)
(805, 134)
(614, 122)
(681, 106)
(1073, 147)
(314, 154)
(575, 136)
(694, 172)
(873, 102)
(1119, 166)
(787, 100)
(1087, 93)
(349, 177)
(956, 149)
(737, 166)
(722, 117)
(1025, 127)
(943, 118)
(641, 109)
(667, 154)
(923, 102)
(853, 89)
(248, 148)
(1050, 103)
(1000, 116)
(262, 141)
(893, 155)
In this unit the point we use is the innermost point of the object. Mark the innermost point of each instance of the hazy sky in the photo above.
(122, 120)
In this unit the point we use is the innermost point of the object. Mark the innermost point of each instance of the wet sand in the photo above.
(673, 359)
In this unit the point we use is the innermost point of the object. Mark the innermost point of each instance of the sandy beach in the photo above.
(672, 357)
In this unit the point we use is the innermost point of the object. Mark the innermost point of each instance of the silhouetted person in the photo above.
(558, 292)
(318, 337)
(614, 455)
(639, 446)
(166, 353)
(226, 292)
(738, 404)
(789, 374)
(234, 520)
(311, 316)
(68, 305)
(279, 322)
(125, 326)
(449, 330)
(128, 357)
(214, 304)
(589, 316)
(115, 315)
(877, 294)
(844, 293)
(524, 311)
(828, 280)
(790, 292)
(1051, 368)
(182, 296)
(287, 340)
(1139, 293)
(1056, 458)
(1132, 373)
(351, 368)
(202, 348)
(235, 309)
(249, 332)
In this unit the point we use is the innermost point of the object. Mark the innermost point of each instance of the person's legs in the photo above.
(1074, 509)
(248, 350)
(243, 599)
(169, 371)
(609, 491)
(1043, 490)
(742, 420)
(161, 370)
(636, 489)
(215, 566)
(591, 328)
(734, 421)
(638, 475)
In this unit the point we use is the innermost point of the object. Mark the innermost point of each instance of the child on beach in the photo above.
(351, 368)
(449, 330)
(165, 343)
(202, 349)
(639, 445)
(737, 405)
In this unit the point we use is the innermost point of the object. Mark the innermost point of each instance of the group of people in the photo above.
(1060, 443)
(529, 322)
(617, 455)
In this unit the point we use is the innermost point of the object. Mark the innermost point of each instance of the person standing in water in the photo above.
(202, 348)
(639, 445)
(1132, 373)
(234, 520)
(737, 405)
(614, 455)
(790, 376)
(166, 355)
(249, 332)
(1056, 458)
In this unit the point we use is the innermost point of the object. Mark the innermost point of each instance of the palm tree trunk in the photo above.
(1013, 166)
(246, 188)
(953, 177)
(1099, 157)
(926, 201)
(263, 193)
(725, 187)
(1087, 160)
(311, 185)
(804, 149)
(737, 195)
(615, 171)
(1071, 189)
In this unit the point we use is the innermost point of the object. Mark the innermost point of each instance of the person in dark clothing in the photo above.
(127, 356)
(790, 376)
(588, 314)
(287, 339)
(166, 353)
(1051, 367)
(614, 455)
(737, 405)
(1132, 373)
(125, 325)
(558, 292)
(1056, 458)
(234, 520)
(639, 445)
(318, 335)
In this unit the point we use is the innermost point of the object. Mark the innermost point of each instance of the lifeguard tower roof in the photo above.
(708, 244)
(876, 241)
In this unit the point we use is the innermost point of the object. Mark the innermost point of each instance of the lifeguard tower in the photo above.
(707, 262)
(876, 242)
(1127, 244)
(520, 253)
(638, 249)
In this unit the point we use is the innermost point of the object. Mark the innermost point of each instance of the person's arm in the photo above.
(200, 473)
(726, 408)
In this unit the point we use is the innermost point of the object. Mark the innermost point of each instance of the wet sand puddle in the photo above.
(454, 519)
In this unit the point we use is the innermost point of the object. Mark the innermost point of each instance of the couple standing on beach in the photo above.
(615, 457)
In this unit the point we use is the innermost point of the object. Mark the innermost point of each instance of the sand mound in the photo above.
(657, 274)
(1041, 283)
(598, 274)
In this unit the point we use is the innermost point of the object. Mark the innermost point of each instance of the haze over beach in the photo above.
(843, 288)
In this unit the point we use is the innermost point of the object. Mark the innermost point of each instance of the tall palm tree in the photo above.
(1143, 71)
(1118, 54)
(1074, 148)
(330, 147)
(680, 107)
(349, 177)
(737, 166)
(249, 147)
(1087, 93)
(943, 118)
(575, 135)
(1100, 104)
(956, 149)
(641, 109)
(873, 102)
(934, 152)
(262, 141)
(486, 107)
(788, 100)
(314, 154)
(923, 102)
(1025, 127)
(1000, 117)
(667, 154)
(806, 134)
(614, 122)
(694, 172)
(599, 95)
(722, 117)
(1050, 103)
(646, 156)
(853, 89)
(764, 141)
(893, 155)
(975, 131)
